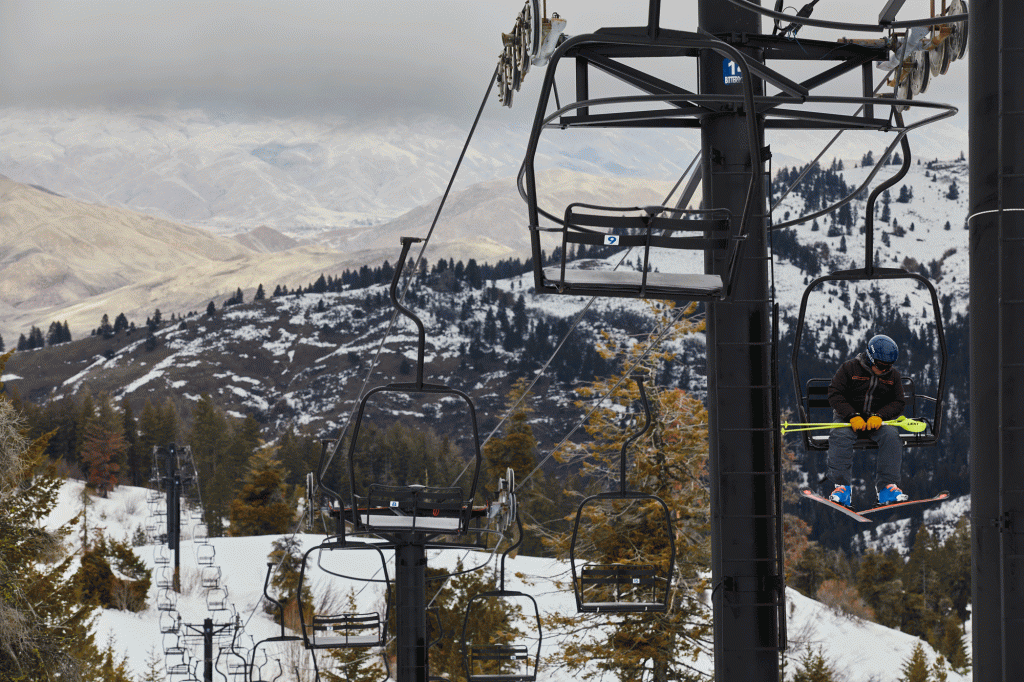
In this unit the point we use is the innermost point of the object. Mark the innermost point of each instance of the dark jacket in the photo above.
(856, 389)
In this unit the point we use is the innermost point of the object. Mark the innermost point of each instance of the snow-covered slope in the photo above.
(860, 651)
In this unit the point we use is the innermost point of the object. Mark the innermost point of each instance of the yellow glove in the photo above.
(874, 421)
(857, 423)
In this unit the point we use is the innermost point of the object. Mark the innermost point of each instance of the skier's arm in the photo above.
(837, 394)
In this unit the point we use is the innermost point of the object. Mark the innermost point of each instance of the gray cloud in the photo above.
(297, 56)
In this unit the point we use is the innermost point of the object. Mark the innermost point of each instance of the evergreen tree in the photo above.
(209, 441)
(45, 631)
(103, 447)
(260, 508)
(953, 193)
(120, 323)
(106, 330)
(670, 463)
(260, 294)
(211, 309)
(915, 668)
(814, 667)
(136, 462)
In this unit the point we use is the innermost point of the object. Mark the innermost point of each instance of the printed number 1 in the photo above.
(731, 65)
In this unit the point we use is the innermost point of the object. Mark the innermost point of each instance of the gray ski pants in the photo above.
(888, 461)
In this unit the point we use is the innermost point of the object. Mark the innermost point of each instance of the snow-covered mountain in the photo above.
(303, 175)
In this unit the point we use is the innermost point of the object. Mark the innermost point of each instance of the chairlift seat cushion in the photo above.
(629, 283)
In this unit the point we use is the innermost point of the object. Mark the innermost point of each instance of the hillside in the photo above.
(861, 650)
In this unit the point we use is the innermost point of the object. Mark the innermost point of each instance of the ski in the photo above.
(883, 507)
(811, 495)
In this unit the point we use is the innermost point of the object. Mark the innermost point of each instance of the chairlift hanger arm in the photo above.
(846, 26)
(779, 48)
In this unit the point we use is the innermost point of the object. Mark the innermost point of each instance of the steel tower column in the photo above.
(996, 223)
(747, 597)
(411, 616)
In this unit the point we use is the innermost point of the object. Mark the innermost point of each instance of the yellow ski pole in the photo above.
(906, 423)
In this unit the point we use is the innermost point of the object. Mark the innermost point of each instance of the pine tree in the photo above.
(209, 441)
(516, 449)
(46, 632)
(103, 447)
(154, 667)
(915, 668)
(260, 293)
(671, 463)
(260, 508)
(814, 667)
(136, 459)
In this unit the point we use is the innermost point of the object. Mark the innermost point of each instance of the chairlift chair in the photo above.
(205, 553)
(385, 508)
(624, 587)
(501, 655)
(344, 629)
(209, 576)
(812, 395)
(277, 638)
(217, 598)
(644, 227)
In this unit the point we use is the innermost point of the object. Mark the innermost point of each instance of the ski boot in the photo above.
(891, 493)
(842, 495)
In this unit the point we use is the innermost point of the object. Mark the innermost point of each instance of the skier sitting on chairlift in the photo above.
(866, 391)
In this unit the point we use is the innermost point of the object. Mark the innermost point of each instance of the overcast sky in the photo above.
(305, 56)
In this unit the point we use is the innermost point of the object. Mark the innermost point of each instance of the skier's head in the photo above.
(882, 351)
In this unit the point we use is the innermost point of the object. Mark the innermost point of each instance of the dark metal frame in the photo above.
(418, 501)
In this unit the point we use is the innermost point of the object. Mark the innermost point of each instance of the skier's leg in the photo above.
(840, 455)
(889, 464)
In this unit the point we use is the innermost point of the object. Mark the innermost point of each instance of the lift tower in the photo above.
(748, 593)
(996, 225)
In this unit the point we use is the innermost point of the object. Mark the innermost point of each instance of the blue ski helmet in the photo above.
(883, 350)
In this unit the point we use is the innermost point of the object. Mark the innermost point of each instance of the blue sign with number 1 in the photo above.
(731, 72)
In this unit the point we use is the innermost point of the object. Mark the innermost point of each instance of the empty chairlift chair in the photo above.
(345, 629)
(501, 652)
(625, 584)
(256, 670)
(671, 230)
(386, 507)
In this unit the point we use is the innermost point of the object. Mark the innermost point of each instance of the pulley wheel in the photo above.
(935, 57)
(920, 74)
(956, 37)
(947, 55)
(903, 90)
(964, 27)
